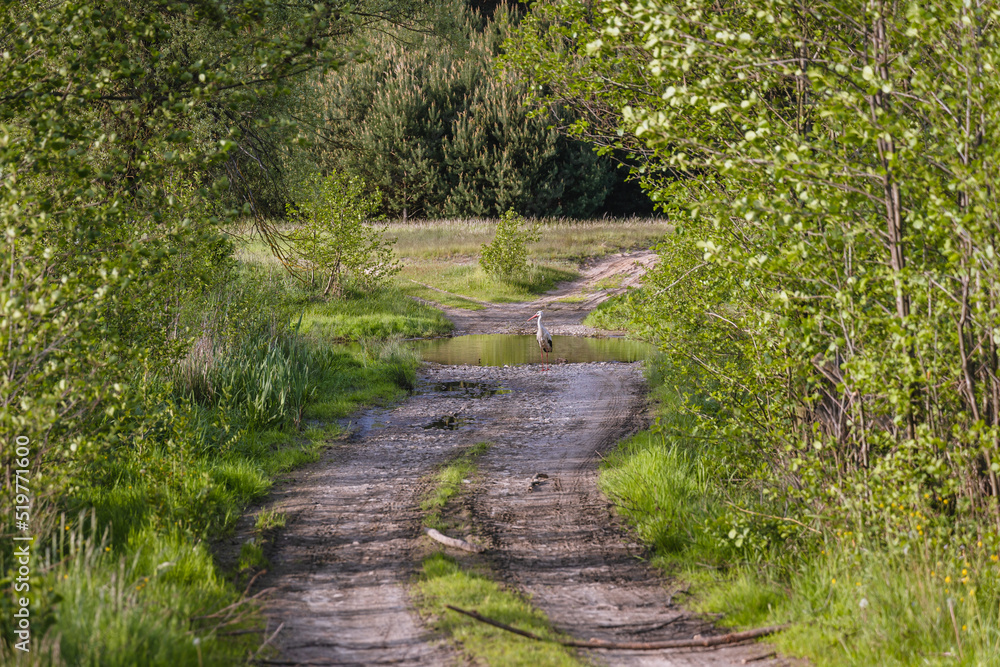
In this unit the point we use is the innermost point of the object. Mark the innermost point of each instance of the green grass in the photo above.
(575, 298)
(614, 282)
(269, 519)
(443, 581)
(412, 289)
(443, 254)
(850, 602)
(614, 314)
(470, 280)
(364, 316)
(252, 556)
(448, 483)
(146, 606)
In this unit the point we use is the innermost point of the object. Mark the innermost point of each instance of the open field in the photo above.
(562, 240)
(440, 257)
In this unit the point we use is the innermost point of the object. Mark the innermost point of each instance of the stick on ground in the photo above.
(452, 541)
(718, 640)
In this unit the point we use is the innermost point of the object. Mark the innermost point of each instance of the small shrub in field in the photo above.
(507, 255)
(339, 237)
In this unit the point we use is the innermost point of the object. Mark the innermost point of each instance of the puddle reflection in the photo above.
(499, 350)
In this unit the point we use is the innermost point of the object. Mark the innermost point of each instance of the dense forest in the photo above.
(826, 302)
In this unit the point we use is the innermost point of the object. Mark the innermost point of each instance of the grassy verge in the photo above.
(444, 580)
(614, 313)
(363, 316)
(413, 289)
(133, 579)
(850, 601)
(471, 281)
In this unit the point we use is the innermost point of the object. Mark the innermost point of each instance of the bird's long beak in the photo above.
(532, 317)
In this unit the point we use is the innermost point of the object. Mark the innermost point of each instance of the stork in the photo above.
(543, 336)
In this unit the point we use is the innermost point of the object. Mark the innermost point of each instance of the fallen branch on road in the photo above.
(718, 640)
(452, 541)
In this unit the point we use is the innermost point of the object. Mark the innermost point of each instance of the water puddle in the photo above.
(449, 422)
(469, 389)
(500, 350)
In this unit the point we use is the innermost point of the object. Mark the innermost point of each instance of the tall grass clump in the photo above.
(265, 380)
(94, 605)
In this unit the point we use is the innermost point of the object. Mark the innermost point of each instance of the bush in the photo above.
(507, 255)
(339, 237)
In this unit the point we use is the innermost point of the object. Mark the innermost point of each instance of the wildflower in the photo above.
(947, 580)
(964, 628)
(833, 581)
(863, 603)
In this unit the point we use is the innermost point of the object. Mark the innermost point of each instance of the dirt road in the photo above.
(353, 538)
(597, 282)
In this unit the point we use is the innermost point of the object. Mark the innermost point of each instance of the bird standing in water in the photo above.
(543, 336)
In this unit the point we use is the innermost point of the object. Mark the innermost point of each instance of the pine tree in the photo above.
(440, 132)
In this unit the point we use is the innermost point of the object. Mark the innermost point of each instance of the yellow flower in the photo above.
(833, 581)
(964, 628)
(947, 580)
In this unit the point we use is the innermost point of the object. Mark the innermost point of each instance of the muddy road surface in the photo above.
(353, 538)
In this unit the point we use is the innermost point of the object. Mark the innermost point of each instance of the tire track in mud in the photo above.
(353, 538)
